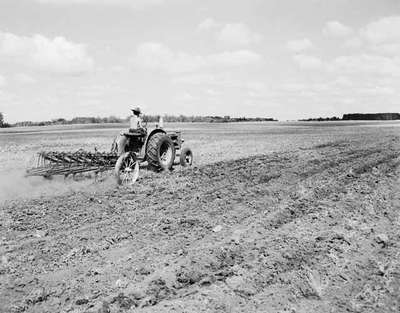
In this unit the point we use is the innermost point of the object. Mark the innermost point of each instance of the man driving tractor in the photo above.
(136, 128)
(136, 123)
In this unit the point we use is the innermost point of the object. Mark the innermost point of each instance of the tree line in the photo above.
(320, 119)
(146, 118)
(194, 119)
(371, 116)
(358, 117)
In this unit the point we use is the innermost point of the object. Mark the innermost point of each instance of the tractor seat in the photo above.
(135, 133)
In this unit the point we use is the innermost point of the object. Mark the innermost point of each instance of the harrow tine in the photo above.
(66, 163)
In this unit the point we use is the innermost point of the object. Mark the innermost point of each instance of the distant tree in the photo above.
(2, 123)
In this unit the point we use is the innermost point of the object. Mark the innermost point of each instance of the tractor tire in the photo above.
(186, 157)
(126, 169)
(160, 152)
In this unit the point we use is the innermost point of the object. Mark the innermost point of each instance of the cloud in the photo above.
(299, 45)
(157, 56)
(337, 29)
(208, 24)
(234, 34)
(308, 62)
(384, 30)
(57, 55)
(238, 34)
(367, 64)
(383, 36)
(135, 4)
(390, 49)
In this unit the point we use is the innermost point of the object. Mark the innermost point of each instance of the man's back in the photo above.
(135, 122)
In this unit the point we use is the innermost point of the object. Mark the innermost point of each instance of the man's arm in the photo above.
(140, 122)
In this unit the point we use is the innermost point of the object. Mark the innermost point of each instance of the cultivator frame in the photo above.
(71, 163)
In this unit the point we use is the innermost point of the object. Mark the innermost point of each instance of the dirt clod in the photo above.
(36, 295)
(81, 301)
(382, 239)
(217, 228)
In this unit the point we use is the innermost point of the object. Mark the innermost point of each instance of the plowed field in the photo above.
(315, 228)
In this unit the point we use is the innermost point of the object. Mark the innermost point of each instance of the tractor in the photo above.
(156, 147)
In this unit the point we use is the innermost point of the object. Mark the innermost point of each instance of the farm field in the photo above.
(209, 142)
(273, 217)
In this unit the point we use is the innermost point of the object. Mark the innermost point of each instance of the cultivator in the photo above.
(48, 164)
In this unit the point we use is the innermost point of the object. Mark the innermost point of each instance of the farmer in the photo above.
(135, 128)
(136, 121)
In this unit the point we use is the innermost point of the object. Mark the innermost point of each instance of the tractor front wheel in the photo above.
(127, 169)
(186, 157)
(160, 152)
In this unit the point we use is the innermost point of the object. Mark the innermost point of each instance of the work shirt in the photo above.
(135, 122)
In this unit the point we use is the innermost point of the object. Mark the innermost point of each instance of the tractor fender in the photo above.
(119, 144)
(153, 132)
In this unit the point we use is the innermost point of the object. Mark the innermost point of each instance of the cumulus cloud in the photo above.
(378, 44)
(208, 24)
(299, 45)
(136, 4)
(157, 56)
(308, 62)
(337, 29)
(234, 34)
(384, 30)
(57, 55)
(383, 36)
(238, 34)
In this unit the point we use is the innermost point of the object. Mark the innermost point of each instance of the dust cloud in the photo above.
(15, 186)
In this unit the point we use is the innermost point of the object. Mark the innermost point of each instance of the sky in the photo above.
(270, 58)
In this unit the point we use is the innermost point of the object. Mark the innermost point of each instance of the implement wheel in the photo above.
(160, 152)
(186, 158)
(127, 169)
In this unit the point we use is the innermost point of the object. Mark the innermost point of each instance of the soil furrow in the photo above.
(243, 234)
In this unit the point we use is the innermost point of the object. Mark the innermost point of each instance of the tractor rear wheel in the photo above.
(186, 158)
(160, 152)
(127, 169)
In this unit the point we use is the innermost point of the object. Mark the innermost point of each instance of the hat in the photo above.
(137, 110)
